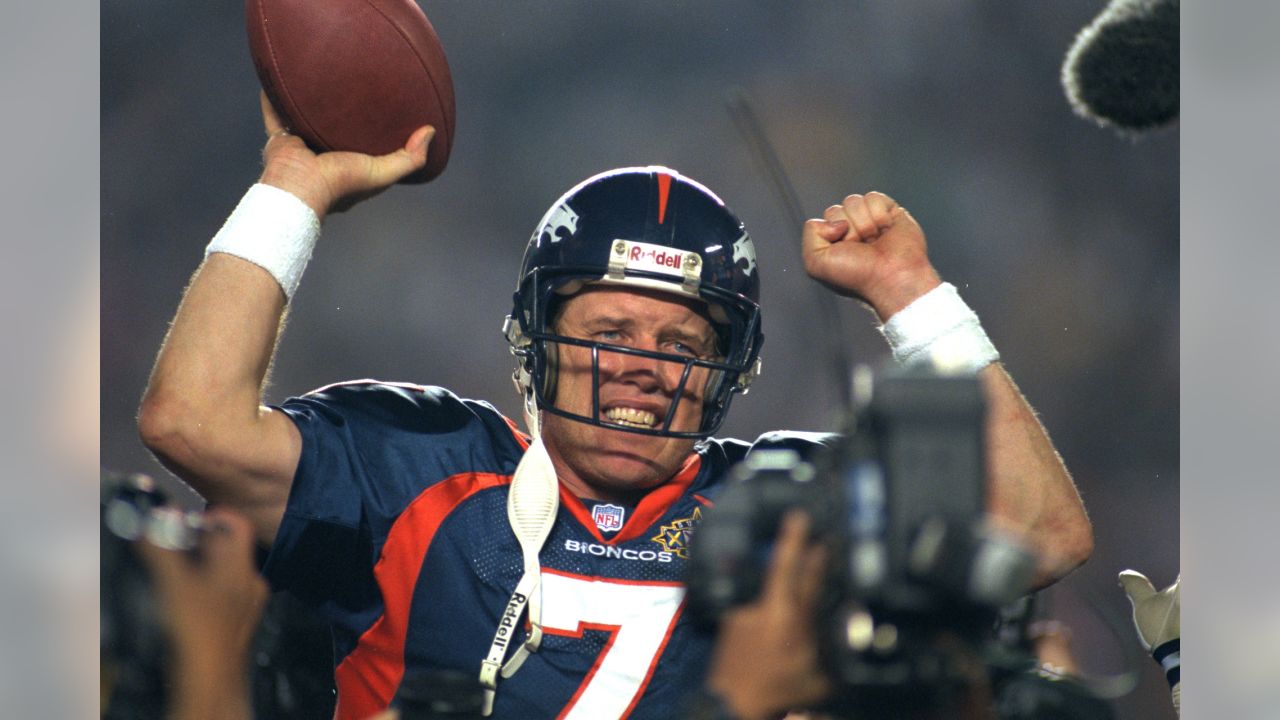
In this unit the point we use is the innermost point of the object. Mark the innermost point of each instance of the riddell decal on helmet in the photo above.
(744, 249)
(561, 223)
(627, 255)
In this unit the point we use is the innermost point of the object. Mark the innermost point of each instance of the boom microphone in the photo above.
(1122, 70)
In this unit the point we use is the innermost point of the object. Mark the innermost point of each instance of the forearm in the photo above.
(211, 600)
(1029, 488)
(223, 336)
(1029, 491)
(212, 689)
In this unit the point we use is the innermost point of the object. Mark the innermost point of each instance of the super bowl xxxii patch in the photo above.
(674, 538)
(608, 517)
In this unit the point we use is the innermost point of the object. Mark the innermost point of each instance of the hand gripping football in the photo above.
(358, 75)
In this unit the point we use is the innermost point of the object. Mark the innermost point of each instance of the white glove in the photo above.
(1156, 616)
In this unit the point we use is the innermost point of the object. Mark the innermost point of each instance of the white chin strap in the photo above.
(531, 509)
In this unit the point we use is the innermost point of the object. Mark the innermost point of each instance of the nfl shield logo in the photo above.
(608, 517)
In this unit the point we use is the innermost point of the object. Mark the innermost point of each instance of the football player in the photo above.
(434, 533)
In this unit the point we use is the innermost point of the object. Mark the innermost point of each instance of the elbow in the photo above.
(1084, 544)
(1066, 549)
(1080, 542)
(177, 433)
(161, 427)
(179, 436)
(1074, 537)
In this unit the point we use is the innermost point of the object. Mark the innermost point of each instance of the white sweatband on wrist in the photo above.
(272, 229)
(938, 327)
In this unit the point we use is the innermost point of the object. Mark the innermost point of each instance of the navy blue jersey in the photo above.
(396, 530)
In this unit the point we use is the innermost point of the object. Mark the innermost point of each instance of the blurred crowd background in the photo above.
(1063, 236)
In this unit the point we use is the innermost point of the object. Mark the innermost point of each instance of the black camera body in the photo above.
(914, 580)
(292, 651)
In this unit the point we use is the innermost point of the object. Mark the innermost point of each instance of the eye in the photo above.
(608, 335)
(680, 348)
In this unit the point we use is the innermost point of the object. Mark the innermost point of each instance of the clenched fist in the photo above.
(869, 248)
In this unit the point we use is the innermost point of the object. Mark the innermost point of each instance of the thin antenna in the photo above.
(744, 117)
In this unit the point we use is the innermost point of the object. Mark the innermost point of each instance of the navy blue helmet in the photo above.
(650, 228)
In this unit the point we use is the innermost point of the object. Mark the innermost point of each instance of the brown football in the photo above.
(357, 75)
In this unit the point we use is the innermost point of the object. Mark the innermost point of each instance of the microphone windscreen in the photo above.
(1122, 70)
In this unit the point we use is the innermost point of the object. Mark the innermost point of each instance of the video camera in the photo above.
(916, 581)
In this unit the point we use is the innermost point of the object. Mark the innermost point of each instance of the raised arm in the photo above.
(870, 248)
(202, 414)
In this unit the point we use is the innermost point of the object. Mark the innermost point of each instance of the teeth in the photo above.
(631, 417)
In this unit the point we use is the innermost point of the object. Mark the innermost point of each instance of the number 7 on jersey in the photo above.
(640, 616)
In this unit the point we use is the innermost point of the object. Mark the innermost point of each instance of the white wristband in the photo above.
(939, 327)
(272, 229)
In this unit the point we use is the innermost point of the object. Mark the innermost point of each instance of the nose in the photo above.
(647, 374)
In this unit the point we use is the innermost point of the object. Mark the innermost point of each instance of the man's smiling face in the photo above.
(607, 464)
